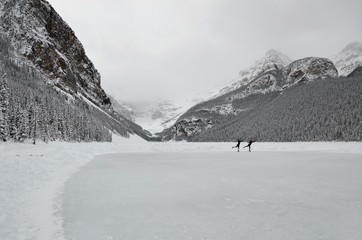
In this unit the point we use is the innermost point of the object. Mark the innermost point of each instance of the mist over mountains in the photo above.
(153, 115)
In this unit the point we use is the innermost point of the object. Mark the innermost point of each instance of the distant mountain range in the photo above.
(277, 99)
(153, 115)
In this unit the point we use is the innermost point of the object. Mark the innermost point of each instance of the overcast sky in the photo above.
(183, 49)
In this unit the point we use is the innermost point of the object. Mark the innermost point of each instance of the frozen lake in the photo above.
(216, 195)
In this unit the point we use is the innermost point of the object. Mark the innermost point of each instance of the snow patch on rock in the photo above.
(309, 69)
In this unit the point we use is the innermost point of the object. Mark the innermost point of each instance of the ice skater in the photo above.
(238, 144)
(249, 144)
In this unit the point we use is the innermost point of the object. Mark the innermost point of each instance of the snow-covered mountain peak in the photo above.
(272, 60)
(349, 58)
(277, 57)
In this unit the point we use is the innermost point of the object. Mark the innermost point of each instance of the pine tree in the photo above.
(23, 126)
(4, 103)
(33, 122)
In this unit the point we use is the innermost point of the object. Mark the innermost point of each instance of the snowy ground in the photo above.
(180, 191)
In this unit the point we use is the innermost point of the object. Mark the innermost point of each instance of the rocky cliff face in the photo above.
(309, 69)
(37, 32)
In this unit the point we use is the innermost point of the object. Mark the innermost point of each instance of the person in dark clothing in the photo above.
(238, 144)
(249, 144)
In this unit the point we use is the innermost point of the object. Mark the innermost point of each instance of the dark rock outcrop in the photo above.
(309, 69)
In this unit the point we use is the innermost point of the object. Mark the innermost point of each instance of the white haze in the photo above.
(148, 49)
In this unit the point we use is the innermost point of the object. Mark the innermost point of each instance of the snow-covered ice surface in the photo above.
(180, 191)
(31, 180)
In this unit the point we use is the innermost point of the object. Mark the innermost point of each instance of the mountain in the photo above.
(349, 58)
(37, 32)
(49, 88)
(153, 115)
(323, 110)
(302, 101)
(273, 60)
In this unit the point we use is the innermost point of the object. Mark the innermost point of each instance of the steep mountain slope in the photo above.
(223, 118)
(42, 57)
(29, 109)
(37, 32)
(349, 58)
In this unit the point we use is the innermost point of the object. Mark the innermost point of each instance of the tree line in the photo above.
(32, 110)
(321, 110)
